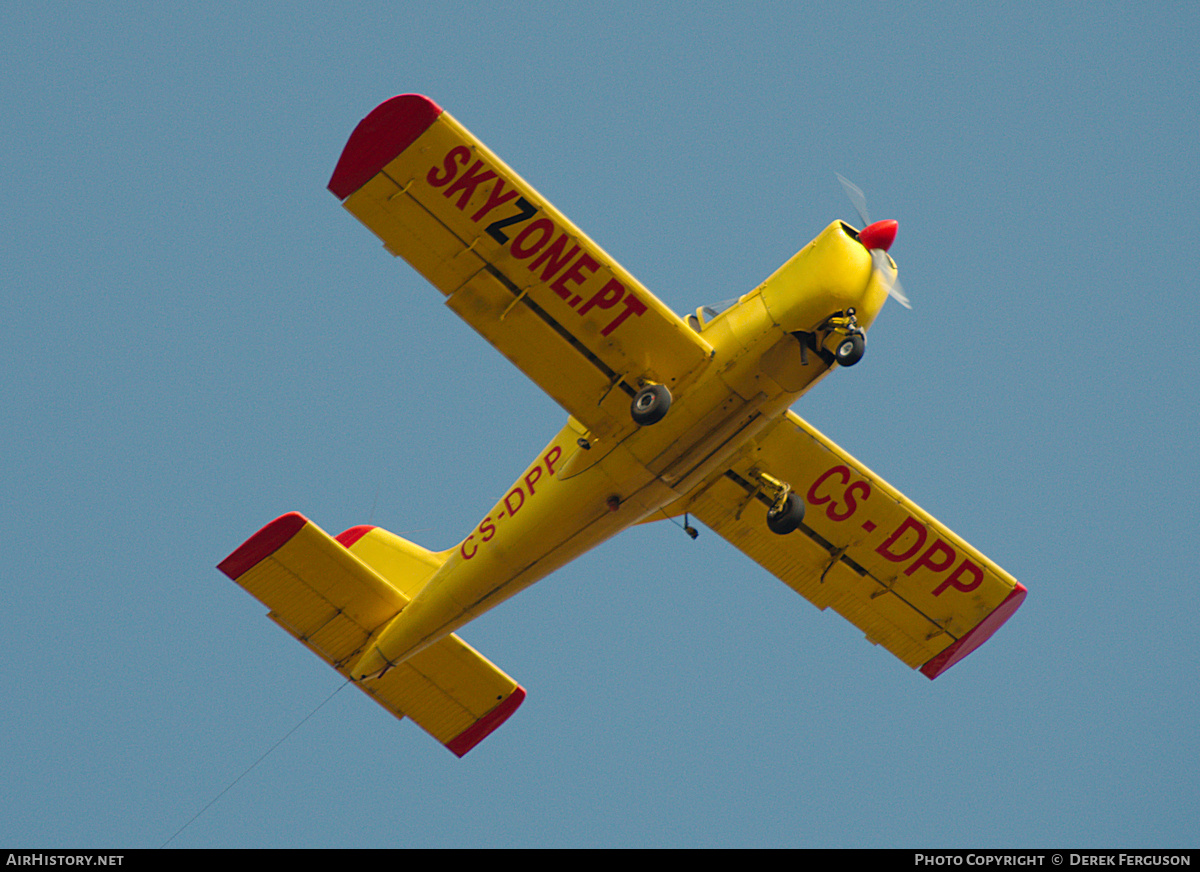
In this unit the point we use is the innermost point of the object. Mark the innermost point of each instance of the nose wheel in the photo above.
(851, 349)
(785, 518)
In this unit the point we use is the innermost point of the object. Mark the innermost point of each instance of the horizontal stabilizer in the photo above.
(332, 594)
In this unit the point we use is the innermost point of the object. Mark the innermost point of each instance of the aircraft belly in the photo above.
(578, 492)
(543, 522)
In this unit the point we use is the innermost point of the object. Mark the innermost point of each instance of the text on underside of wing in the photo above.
(843, 495)
(572, 273)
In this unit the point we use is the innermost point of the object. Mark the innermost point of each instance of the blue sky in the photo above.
(196, 338)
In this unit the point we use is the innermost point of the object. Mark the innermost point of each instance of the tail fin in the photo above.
(406, 565)
(332, 594)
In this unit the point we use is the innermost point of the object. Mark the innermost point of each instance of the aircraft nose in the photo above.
(879, 235)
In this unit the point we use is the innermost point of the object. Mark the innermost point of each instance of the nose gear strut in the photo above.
(844, 337)
(839, 339)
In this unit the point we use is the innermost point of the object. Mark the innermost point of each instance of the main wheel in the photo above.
(650, 404)
(851, 349)
(787, 518)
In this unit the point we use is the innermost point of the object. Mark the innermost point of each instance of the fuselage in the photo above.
(583, 488)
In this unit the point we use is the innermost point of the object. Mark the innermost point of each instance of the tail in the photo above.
(333, 593)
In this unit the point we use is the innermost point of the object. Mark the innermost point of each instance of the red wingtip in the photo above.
(349, 537)
(262, 544)
(472, 736)
(982, 632)
(391, 127)
(881, 234)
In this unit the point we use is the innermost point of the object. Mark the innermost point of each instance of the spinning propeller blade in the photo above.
(877, 238)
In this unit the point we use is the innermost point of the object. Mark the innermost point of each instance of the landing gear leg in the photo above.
(787, 509)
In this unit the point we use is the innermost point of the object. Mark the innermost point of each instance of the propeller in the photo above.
(877, 238)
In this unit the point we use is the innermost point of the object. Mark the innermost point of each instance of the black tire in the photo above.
(851, 349)
(788, 518)
(650, 405)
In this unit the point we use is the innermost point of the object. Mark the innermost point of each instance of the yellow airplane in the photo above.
(667, 417)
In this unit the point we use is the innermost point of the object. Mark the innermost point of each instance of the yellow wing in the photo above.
(550, 299)
(330, 594)
(881, 562)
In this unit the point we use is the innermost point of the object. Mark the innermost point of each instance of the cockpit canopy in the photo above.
(704, 314)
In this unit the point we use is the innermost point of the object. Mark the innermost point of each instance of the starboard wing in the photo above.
(880, 561)
(539, 290)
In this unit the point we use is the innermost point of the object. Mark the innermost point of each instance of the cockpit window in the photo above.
(705, 314)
